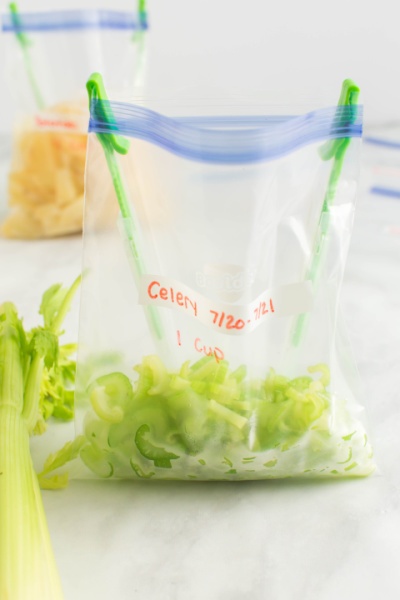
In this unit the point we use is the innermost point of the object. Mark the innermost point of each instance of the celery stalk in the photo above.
(27, 566)
(28, 359)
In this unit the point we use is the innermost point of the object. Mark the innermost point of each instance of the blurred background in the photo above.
(288, 51)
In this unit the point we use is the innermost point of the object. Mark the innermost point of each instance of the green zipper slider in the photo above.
(348, 97)
(25, 44)
(332, 150)
(112, 143)
(21, 36)
(142, 13)
(96, 91)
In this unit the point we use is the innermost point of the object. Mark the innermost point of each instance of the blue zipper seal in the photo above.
(382, 142)
(233, 140)
(69, 20)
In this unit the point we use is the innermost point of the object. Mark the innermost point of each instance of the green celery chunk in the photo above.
(110, 396)
(161, 458)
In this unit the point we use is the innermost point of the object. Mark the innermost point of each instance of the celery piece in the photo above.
(240, 374)
(204, 369)
(352, 466)
(120, 435)
(221, 372)
(188, 419)
(178, 384)
(287, 417)
(348, 437)
(97, 461)
(200, 387)
(156, 416)
(324, 370)
(225, 393)
(300, 383)
(161, 458)
(97, 432)
(348, 459)
(139, 471)
(110, 395)
(228, 415)
(154, 377)
(159, 374)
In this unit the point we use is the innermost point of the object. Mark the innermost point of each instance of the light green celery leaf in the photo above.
(45, 344)
(53, 389)
(56, 482)
(56, 302)
(11, 327)
(51, 302)
(68, 452)
(56, 399)
(64, 409)
(11, 324)
(40, 426)
(66, 364)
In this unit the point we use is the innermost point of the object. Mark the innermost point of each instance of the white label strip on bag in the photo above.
(283, 301)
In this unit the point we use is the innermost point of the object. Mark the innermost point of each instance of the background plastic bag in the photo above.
(218, 285)
(49, 58)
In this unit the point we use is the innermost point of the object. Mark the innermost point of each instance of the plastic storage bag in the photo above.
(210, 343)
(382, 159)
(49, 57)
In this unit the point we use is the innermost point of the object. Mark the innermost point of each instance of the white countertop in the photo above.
(273, 540)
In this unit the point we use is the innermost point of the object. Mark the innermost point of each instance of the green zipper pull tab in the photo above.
(142, 11)
(100, 106)
(111, 143)
(334, 150)
(16, 20)
(348, 97)
(25, 44)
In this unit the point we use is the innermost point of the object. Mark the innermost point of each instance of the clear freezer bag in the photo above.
(210, 337)
(49, 56)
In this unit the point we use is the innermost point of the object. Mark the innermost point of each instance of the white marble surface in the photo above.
(242, 541)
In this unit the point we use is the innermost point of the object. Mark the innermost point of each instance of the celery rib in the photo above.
(27, 566)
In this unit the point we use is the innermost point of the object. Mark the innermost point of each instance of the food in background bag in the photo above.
(47, 175)
(50, 56)
(222, 318)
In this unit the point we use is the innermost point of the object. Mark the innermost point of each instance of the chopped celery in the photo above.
(211, 422)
